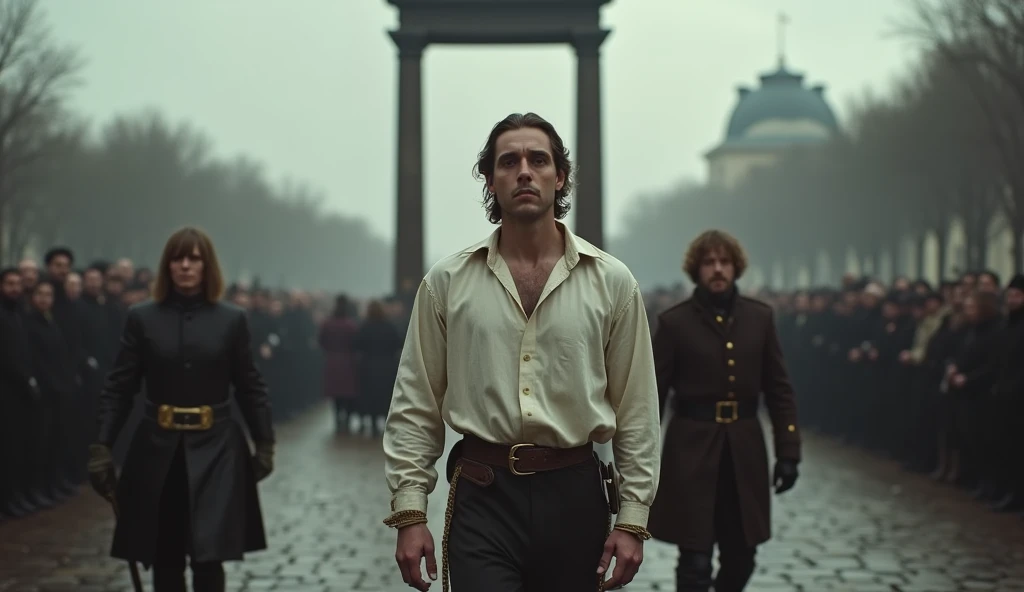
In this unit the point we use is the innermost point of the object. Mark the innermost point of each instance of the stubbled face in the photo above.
(717, 271)
(187, 272)
(525, 177)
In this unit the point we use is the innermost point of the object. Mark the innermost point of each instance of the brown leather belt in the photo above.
(524, 459)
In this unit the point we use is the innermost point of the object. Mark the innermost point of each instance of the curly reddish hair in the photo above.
(711, 241)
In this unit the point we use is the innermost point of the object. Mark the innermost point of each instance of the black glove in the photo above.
(102, 475)
(264, 460)
(785, 475)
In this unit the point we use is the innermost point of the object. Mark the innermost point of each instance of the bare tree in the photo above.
(35, 76)
(984, 40)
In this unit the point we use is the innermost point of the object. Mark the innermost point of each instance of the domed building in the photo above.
(767, 121)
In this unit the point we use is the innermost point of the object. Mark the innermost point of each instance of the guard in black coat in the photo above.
(188, 485)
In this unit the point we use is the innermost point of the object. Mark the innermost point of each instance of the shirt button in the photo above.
(528, 414)
(732, 362)
(728, 345)
(526, 391)
(791, 428)
(188, 365)
(732, 379)
(732, 395)
(526, 358)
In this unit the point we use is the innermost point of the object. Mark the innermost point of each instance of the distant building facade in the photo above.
(767, 121)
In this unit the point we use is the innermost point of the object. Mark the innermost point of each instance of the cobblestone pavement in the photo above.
(853, 523)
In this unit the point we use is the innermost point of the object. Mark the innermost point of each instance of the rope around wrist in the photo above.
(638, 531)
(405, 518)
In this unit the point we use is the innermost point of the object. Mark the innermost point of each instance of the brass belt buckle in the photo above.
(512, 458)
(166, 414)
(719, 405)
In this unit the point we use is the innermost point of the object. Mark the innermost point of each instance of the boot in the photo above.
(735, 569)
(693, 572)
(208, 577)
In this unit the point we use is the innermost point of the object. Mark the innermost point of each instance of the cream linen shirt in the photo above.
(579, 370)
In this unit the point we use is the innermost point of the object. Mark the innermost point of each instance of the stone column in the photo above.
(589, 199)
(409, 208)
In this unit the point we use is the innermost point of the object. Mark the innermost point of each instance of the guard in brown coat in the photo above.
(718, 351)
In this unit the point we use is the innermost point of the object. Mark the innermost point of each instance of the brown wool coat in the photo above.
(695, 354)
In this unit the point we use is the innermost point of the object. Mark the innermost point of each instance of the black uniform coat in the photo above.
(695, 355)
(190, 353)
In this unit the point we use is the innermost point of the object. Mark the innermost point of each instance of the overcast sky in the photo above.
(312, 92)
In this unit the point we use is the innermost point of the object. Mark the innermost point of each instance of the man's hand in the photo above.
(415, 543)
(628, 551)
(785, 475)
(102, 475)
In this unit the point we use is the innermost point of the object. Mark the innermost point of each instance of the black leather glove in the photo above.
(785, 475)
(102, 474)
(264, 460)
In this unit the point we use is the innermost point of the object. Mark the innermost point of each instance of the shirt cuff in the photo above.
(409, 499)
(633, 513)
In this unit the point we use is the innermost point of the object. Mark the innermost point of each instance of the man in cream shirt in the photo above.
(533, 345)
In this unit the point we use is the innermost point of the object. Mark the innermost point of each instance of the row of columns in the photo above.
(589, 196)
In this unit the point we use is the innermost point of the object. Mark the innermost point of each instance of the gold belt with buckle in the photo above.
(167, 416)
(720, 417)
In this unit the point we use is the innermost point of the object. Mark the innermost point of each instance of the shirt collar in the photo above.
(574, 247)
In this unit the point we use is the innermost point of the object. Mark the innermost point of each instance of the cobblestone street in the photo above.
(852, 523)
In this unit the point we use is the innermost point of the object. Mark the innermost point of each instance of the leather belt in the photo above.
(716, 411)
(524, 459)
(187, 419)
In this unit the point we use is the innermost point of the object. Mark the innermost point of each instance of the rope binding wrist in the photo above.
(405, 518)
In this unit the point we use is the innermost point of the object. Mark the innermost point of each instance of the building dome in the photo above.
(781, 111)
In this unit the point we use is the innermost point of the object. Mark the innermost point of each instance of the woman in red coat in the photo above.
(337, 334)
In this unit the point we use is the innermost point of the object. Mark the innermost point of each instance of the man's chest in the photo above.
(530, 283)
(484, 313)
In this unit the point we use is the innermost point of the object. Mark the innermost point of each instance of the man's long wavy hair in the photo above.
(484, 168)
(182, 243)
(710, 241)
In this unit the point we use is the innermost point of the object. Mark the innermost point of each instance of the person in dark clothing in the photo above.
(379, 344)
(719, 351)
(190, 349)
(54, 369)
(19, 395)
(1007, 399)
(970, 379)
(336, 336)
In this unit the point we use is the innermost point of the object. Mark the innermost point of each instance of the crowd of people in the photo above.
(926, 375)
(60, 332)
(929, 376)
